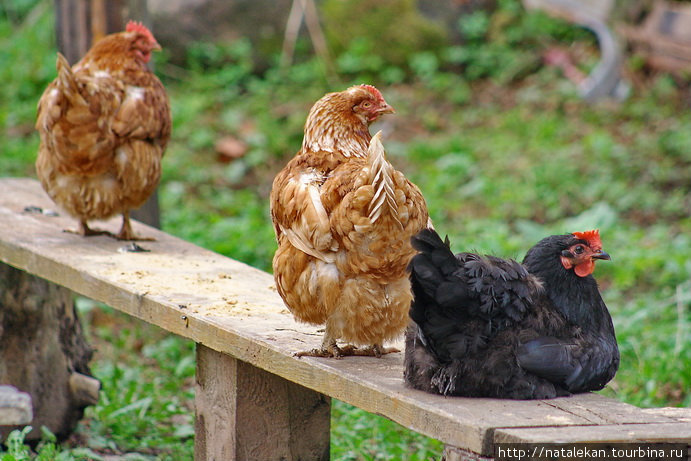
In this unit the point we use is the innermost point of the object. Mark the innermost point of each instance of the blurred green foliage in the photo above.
(26, 67)
(376, 36)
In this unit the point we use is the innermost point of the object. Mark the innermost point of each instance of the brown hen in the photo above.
(104, 125)
(343, 218)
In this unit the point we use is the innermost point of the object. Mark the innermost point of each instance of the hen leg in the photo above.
(329, 348)
(85, 231)
(126, 232)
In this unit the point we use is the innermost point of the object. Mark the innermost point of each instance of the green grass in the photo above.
(504, 154)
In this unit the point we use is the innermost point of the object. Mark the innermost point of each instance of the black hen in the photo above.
(491, 327)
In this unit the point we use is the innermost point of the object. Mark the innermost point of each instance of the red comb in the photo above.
(592, 237)
(135, 26)
(375, 92)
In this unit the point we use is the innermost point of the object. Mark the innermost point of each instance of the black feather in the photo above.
(549, 358)
(486, 326)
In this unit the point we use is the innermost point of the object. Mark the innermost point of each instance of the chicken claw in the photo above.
(375, 350)
(330, 350)
(85, 231)
(333, 351)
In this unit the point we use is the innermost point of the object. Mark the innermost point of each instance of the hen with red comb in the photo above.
(104, 125)
(343, 218)
(490, 327)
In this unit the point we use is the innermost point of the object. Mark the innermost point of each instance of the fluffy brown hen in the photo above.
(104, 125)
(343, 218)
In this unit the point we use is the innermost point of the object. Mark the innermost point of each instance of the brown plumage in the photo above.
(104, 125)
(343, 218)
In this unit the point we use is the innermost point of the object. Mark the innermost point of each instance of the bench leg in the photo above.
(245, 413)
(459, 454)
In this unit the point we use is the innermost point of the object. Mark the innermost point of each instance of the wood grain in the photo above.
(679, 432)
(245, 413)
(233, 308)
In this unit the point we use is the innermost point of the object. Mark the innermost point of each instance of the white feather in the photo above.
(309, 237)
(299, 240)
(135, 92)
(381, 174)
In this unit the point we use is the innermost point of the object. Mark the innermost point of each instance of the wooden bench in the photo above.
(254, 399)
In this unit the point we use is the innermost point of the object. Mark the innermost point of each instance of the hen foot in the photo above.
(85, 231)
(375, 350)
(331, 351)
(126, 232)
(336, 352)
(130, 236)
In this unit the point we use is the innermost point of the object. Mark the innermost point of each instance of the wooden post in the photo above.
(72, 19)
(245, 413)
(78, 23)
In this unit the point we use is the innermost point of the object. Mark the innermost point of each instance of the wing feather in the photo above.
(300, 215)
(144, 112)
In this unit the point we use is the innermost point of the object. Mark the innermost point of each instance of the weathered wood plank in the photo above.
(233, 308)
(245, 413)
(599, 410)
(657, 432)
(679, 414)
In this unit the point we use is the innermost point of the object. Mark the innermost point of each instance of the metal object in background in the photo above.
(605, 79)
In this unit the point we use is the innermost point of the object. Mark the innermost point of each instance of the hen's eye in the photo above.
(579, 249)
(366, 104)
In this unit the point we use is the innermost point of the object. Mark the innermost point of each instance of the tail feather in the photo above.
(433, 283)
(66, 80)
(429, 244)
(381, 178)
(83, 143)
(452, 292)
(431, 274)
